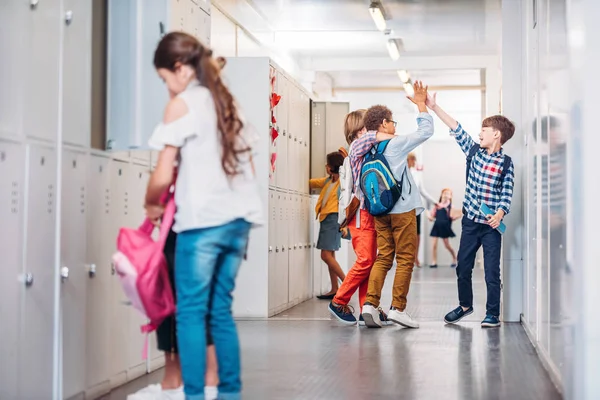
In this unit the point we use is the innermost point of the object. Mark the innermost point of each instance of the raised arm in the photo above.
(317, 183)
(425, 194)
(463, 139)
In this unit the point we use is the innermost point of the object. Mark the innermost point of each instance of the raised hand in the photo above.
(420, 96)
(431, 101)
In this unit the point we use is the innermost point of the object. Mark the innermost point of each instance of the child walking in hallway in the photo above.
(443, 215)
(330, 237)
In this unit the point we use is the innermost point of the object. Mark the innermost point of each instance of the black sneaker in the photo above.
(433, 266)
(326, 296)
(344, 314)
(457, 314)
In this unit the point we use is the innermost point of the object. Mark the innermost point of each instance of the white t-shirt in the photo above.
(396, 152)
(204, 195)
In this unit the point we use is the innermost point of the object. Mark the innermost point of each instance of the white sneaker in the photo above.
(371, 316)
(402, 318)
(155, 392)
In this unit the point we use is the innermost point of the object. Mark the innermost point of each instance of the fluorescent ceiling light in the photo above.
(408, 89)
(393, 49)
(403, 75)
(377, 15)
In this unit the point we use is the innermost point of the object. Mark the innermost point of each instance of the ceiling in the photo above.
(326, 29)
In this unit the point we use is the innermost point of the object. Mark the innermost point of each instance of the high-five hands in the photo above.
(431, 101)
(420, 96)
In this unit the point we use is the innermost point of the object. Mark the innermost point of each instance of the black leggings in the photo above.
(167, 333)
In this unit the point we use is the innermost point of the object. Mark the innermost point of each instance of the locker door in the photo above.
(137, 179)
(281, 250)
(77, 71)
(206, 27)
(293, 264)
(40, 35)
(282, 142)
(73, 261)
(12, 166)
(273, 228)
(278, 126)
(36, 339)
(177, 20)
(292, 138)
(100, 246)
(119, 313)
(306, 264)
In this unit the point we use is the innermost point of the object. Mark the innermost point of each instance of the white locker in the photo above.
(282, 253)
(198, 23)
(137, 180)
(36, 338)
(73, 264)
(177, 19)
(294, 296)
(12, 167)
(100, 246)
(282, 142)
(273, 230)
(77, 72)
(119, 309)
(40, 35)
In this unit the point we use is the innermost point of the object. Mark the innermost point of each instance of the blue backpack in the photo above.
(380, 188)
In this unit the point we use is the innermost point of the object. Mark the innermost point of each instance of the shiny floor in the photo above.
(302, 354)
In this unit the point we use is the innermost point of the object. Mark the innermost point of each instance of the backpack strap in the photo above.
(474, 149)
(381, 146)
(505, 167)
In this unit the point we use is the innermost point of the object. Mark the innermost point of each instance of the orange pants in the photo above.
(364, 242)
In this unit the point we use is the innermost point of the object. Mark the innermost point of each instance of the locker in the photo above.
(292, 138)
(273, 143)
(137, 180)
(177, 21)
(73, 264)
(119, 309)
(100, 245)
(282, 142)
(77, 72)
(273, 229)
(12, 166)
(36, 338)
(294, 268)
(40, 32)
(281, 252)
(199, 23)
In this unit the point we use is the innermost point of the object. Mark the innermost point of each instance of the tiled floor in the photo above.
(302, 354)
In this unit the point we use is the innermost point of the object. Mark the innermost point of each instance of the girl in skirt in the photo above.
(443, 215)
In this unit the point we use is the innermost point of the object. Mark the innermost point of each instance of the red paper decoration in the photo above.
(275, 99)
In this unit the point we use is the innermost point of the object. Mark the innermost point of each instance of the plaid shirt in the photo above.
(358, 149)
(483, 183)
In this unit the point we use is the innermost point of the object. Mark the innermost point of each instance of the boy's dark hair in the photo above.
(501, 124)
(375, 116)
(548, 122)
(335, 160)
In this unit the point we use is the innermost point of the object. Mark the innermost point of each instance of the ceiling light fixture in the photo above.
(395, 46)
(403, 75)
(409, 89)
(376, 11)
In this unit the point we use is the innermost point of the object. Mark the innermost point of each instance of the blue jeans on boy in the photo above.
(475, 235)
(206, 265)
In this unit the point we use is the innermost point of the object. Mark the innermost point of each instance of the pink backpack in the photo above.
(143, 270)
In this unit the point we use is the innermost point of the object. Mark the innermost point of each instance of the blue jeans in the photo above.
(474, 235)
(206, 265)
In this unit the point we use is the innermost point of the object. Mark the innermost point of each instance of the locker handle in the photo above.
(276, 249)
(27, 279)
(270, 249)
(92, 270)
(112, 269)
(68, 17)
(64, 274)
(33, 3)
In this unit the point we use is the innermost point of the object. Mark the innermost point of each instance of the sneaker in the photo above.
(433, 266)
(155, 392)
(326, 296)
(343, 313)
(457, 314)
(382, 317)
(402, 318)
(453, 265)
(490, 322)
(371, 316)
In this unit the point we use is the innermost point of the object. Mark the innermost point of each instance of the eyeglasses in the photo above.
(392, 121)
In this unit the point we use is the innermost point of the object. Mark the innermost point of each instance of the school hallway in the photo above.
(303, 354)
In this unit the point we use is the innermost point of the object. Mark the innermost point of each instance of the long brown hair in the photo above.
(179, 47)
(354, 123)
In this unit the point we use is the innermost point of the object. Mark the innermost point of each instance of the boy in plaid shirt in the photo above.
(490, 181)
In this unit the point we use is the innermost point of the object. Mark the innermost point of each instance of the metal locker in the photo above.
(273, 229)
(119, 309)
(12, 166)
(77, 71)
(206, 26)
(74, 271)
(273, 144)
(282, 142)
(137, 181)
(292, 138)
(40, 60)
(100, 246)
(177, 21)
(281, 251)
(293, 255)
(36, 340)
